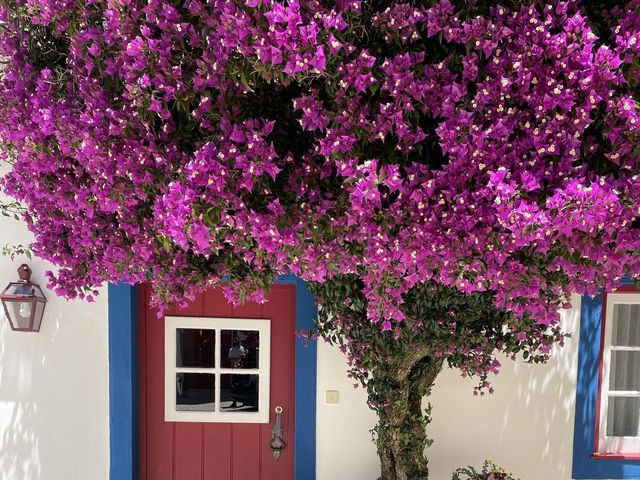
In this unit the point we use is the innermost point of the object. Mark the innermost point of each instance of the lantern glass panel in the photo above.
(37, 319)
(20, 313)
(38, 293)
(20, 289)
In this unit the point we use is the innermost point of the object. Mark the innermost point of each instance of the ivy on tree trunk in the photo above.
(401, 436)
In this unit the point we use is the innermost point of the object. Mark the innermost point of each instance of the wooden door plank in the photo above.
(159, 433)
(281, 309)
(217, 436)
(188, 451)
(195, 308)
(188, 436)
(248, 310)
(217, 451)
(245, 438)
(216, 305)
(246, 451)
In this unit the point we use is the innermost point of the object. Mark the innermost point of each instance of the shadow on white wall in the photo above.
(54, 412)
(526, 426)
(54, 394)
(19, 447)
(19, 457)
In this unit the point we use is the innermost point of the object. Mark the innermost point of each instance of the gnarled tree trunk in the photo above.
(401, 434)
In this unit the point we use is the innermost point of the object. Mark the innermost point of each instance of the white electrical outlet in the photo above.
(332, 396)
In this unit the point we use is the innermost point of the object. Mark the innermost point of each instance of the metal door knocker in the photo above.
(277, 444)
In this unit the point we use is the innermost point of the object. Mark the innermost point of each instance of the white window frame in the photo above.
(609, 445)
(172, 324)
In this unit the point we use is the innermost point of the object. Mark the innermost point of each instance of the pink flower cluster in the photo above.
(491, 149)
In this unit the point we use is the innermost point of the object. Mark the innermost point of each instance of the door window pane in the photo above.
(238, 393)
(626, 325)
(622, 416)
(195, 348)
(195, 392)
(239, 348)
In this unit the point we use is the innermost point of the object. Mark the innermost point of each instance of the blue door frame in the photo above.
(123, 382)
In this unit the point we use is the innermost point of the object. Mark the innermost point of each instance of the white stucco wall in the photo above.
(526, 426)
(54, 395)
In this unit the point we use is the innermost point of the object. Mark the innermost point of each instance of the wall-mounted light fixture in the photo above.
(24, 302)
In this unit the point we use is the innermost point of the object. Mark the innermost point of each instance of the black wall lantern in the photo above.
(23, 302)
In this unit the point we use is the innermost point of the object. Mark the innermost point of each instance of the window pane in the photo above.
(622, 416)
(195, 392)
(626, 325)
(195, 347)
(239, 348)
(239, 393)
(625, 370)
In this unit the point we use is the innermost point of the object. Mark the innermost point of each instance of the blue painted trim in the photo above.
(585, 467)
(304, 463)
(123, 382)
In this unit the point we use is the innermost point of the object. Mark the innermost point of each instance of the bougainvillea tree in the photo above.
(443, 173)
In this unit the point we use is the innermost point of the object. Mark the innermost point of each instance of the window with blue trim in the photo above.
(618, 423)
(607, 424)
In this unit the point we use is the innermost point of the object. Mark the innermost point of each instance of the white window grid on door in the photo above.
(615, 444)
(262, 326)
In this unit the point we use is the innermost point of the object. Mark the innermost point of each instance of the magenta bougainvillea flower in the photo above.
(480, 147)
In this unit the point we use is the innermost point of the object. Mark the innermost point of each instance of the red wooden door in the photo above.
(216, 451)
